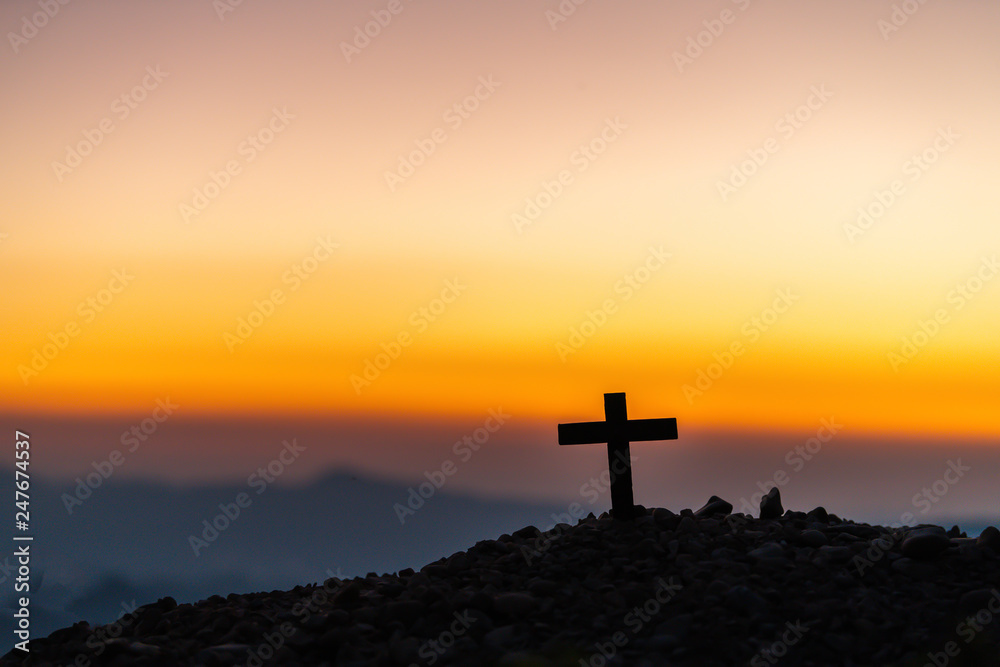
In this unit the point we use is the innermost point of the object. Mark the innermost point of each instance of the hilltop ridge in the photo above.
(703, 587)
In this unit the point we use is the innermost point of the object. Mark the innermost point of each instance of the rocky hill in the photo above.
(703, 587)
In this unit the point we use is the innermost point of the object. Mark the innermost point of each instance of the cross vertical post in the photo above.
(619, 457)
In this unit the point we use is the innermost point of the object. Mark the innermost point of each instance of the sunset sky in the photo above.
(748, 215)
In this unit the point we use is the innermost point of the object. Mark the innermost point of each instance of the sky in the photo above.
(750, 215)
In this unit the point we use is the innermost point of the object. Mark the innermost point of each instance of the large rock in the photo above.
(770, 504)
(990, 538)
(922, 543)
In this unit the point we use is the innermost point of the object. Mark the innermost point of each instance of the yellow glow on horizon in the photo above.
(592, 126)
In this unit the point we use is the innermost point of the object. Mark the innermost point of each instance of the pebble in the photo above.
(715, 506)
(140, 648)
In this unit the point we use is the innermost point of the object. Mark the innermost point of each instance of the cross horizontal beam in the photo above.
(636, 430)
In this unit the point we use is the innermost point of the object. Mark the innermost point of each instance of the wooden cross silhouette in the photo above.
(618, 430)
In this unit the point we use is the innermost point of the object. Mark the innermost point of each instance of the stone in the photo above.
(403, 650)
(715, 506)
(404, 611)
(813, 538)
(990, 538)
(913, 568)
(834, 553)
(522, 658)
(514, 604)
(923, 543)
(687, 525)
(500, 638)
(819, 514)
(973, 601)
(149, 618)
(678, 626)
(745, 599)
(665, 516)
(458, 562)
(139, 648)
(768, 550)
(528, 532)
(224, 653)
(770, 504)
(166, 604)
(542, 587)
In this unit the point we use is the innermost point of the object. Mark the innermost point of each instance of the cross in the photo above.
(618, 430)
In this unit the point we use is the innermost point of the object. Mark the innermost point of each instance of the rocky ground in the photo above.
(703, 587)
